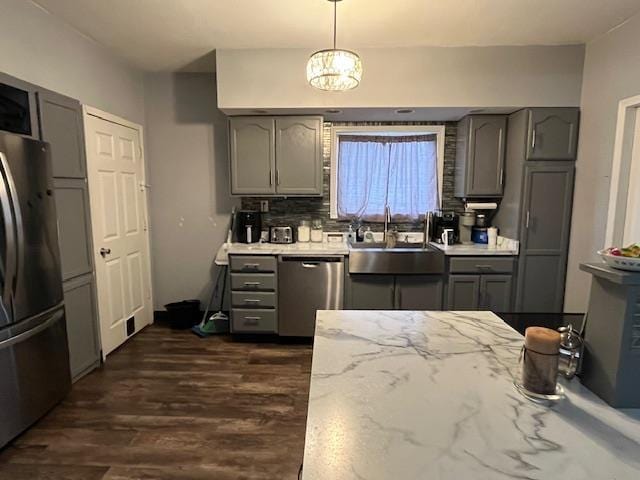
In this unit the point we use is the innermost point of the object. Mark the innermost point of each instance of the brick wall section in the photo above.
(289, 211)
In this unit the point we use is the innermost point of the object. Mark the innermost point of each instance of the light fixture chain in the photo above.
(335, 23)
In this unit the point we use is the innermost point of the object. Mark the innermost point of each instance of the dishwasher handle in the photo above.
(313, 261)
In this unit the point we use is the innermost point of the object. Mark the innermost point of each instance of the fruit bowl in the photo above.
(622, 259)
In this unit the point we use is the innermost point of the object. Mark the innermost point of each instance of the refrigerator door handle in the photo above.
(10, 231)
(34, 331)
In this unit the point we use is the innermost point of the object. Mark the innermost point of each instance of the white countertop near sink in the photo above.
(506, 247)
(298, 249)
(430, 395)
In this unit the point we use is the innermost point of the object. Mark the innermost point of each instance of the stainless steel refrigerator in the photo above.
(34, 357)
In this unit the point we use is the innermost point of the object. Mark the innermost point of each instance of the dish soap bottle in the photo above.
(351, 235)
(368, 236)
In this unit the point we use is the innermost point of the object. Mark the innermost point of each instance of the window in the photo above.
(374, 167)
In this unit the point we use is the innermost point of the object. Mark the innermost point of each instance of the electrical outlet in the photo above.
(264, 205)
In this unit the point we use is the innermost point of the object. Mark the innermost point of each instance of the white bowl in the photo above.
(619, 262)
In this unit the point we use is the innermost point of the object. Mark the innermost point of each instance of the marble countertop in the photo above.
(506, 248)
(429, 395)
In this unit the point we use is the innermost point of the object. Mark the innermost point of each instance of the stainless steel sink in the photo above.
(404, 258)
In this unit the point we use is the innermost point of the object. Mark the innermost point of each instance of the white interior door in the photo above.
(120, 237)
(632, 220)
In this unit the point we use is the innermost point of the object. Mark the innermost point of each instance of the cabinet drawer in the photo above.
(253, 321)
(481, 265)
(253, 281)
(252, 263)
(253, 299)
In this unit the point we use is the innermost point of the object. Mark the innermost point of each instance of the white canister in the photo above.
(492, 237)
(304, 231)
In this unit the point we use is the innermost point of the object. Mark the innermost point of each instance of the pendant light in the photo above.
(334, 69)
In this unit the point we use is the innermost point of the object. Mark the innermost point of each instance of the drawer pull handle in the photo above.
(251, 265)
(252, 300)
(251, 284)
(252, 320)
(484, 267)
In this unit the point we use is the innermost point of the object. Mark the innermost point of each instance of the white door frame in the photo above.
(628, 110)
(96, 112)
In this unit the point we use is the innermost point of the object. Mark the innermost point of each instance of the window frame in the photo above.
(381, 130)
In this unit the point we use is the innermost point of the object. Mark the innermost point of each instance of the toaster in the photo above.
(281, 234)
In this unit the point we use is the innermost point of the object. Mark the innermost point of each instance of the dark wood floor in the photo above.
(169, 405)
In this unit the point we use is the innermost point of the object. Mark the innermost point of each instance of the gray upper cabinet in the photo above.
(480, 156)
(276, 156)
(552, 133)
(546, 222)
(418, 292)
(61, 126)
(299, 155)
(252, 152)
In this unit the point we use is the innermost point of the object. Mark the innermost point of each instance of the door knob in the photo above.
(105, 251)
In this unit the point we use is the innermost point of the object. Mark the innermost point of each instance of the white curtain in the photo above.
(399, 171)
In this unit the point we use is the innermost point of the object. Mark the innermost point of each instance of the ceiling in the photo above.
(180, 35)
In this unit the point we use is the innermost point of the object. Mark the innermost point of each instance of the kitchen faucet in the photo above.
(387, 221)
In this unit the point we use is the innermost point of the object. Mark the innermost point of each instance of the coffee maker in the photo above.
(444, 221)
(248, 226)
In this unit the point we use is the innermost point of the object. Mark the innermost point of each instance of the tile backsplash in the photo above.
(289, 211)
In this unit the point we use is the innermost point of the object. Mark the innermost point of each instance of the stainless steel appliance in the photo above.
(281, 234)
(34, 358)
(319, 280)
(249, 226)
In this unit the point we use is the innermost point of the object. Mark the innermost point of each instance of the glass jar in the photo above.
(316, 230)
(304, 231)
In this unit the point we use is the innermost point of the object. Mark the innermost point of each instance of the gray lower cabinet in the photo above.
(418, 292)
(496, 292)
(463, 292)
(370, 292)
(480, 292)
(61, 125)
(546, 223)
(254, 293)
(552, 133)
(82, 329)
(394, 292)
(299, 155)
(74, 227)
(276, 156)
(252, 155)
(479, 168)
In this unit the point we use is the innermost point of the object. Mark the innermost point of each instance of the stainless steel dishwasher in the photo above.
(306, 285)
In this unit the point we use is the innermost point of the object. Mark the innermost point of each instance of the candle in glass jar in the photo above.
(540, 363)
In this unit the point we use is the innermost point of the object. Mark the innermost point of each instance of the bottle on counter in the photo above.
(316, 230)
(368, 236)
(304, 231)
(351, 235)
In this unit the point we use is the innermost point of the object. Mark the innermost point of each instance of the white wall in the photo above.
(412, 77)
(611, 73)
(38, 48)
(188, 172)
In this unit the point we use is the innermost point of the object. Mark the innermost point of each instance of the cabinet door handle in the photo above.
(270, 177)
(528, 218)
(277, 176)
(501, 176)
(533, 139)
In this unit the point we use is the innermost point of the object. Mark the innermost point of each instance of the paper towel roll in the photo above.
(481, 205)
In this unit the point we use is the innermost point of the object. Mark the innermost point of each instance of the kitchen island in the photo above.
(429, 395)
